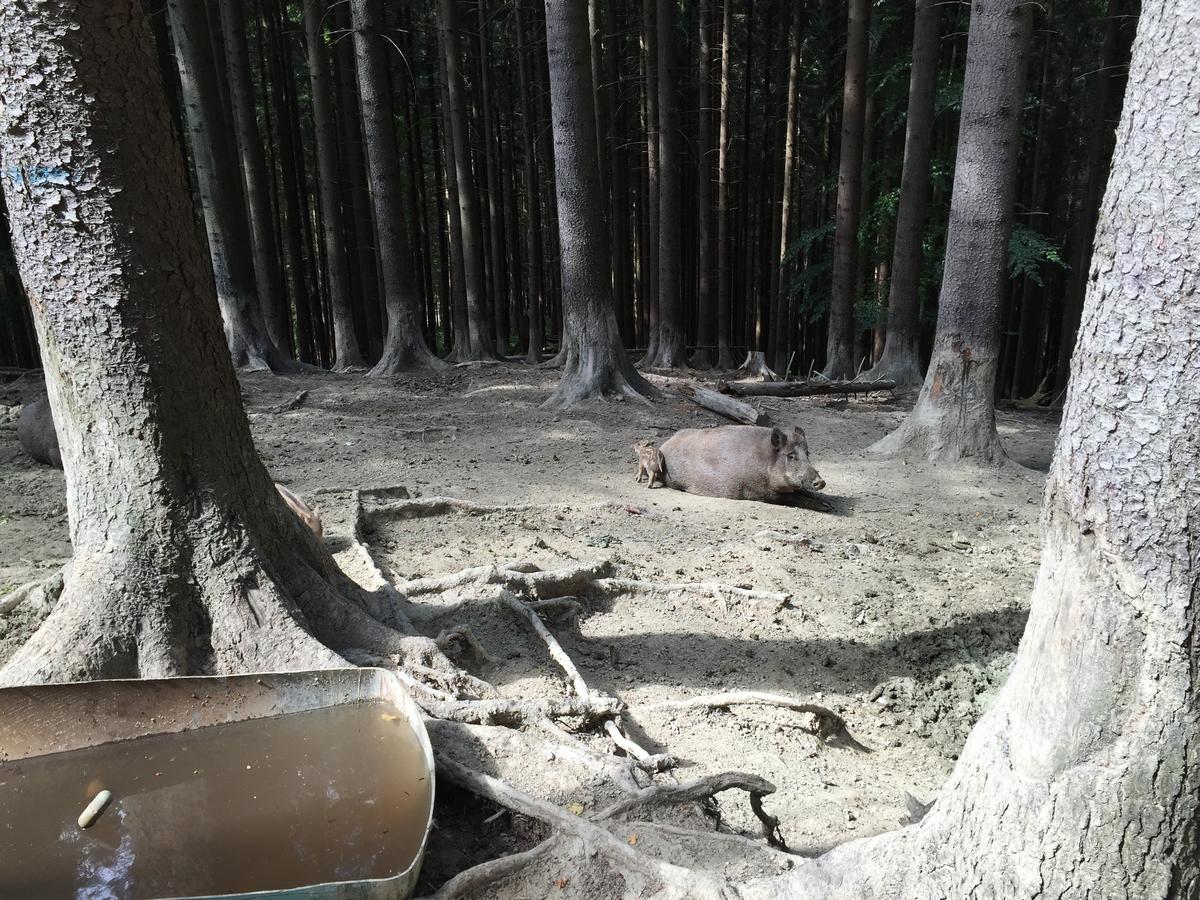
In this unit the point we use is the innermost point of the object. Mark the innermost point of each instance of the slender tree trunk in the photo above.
(346, 352)
(704, 354)
(220, 184)
(461, 331)
(267, 274)
(595, 362)
(650, 250)
(405, 346)
(618, 161)
(901, 360)
(954, 417)
(780, 336)
(185, 558)
(724, 272)
(839, 356)
(480, 338)
(491, 148)
(535, 296)
(670, 351)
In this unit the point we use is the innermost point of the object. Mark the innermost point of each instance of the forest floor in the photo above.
(906, 604)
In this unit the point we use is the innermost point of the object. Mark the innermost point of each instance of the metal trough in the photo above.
(59, 718)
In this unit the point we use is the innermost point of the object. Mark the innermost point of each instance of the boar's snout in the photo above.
(818, 483)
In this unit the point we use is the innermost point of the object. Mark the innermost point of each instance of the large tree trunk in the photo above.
(185, 558)
(954, 417)
(595, 363)
(670, 351)
(724, 263)
(495, 193)
(267, 274)
(901, 360)
(346, 352)
(650, 259)
(404, 347)
(220, 183)
(780, 335)
(1083, 779)
(478, 342)
(840, 354)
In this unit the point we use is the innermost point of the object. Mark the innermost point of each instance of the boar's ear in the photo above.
(798, 436)
(778, 439)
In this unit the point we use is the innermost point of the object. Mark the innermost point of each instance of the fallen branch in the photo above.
(723, 406)
(772, 600)
(829, 726)
(556, 582)
(801, 388)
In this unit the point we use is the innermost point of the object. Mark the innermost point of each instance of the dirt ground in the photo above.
(906, 605)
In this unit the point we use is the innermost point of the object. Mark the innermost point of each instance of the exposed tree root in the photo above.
(517, 713)
(420, 507)
(473, 881)
(44, 591)
(558, 582)
(828, 725)
(755, 366)
(769, 602)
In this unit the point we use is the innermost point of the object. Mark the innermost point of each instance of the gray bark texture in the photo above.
(346, 353)
(706, 321)
(268, 275)
(404, 347)
(840, 352)
(221, 195)
(955, 417)
(478, 342)
(1083, 779)
(724, 236)
(901, 359)
(669, 351)
(186, 560)
(535, 300)
(595, 362)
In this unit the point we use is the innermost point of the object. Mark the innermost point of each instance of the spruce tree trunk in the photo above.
(346, 352)
(185, 558)
(724, 263)
(221, 195)
(495, 193)
(404, 347)
(954, 417)
(901, 359)
(780, 334)
(535, 297)
(704, 354)
(670, 351)
(478, 342)
(1083, 779)
(840, 353)
(595, 363)
(650, 258)
(267, 273)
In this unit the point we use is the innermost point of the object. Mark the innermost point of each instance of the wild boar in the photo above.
(740, 462)
(650, 463)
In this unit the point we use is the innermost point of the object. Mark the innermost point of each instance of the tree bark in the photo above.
(267, 273)
(650, 259)
(404, 347)
(535, 296)
(670, 351)
(595, 363)
(478, 341)
(901, 360)
(186, 560)
(704, 354)
(724, 272)
(346, 352)
(1082, 779)
(954, 417)
(495, 193)
(839, 357)
(780, 337)
(221, 195)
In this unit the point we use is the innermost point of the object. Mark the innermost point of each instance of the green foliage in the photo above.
(1029, 251)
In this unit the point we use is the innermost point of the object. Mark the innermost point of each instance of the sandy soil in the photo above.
(905, 609)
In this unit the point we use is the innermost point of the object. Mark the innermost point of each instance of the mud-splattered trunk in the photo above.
(346, 352)
(221, 196)
(840, 352)
(404, 346)
(595, 363)
(954, 417)
(901, 360)
(185, 558)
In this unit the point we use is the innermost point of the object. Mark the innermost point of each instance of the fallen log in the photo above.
(713, 401)
(801, 388)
